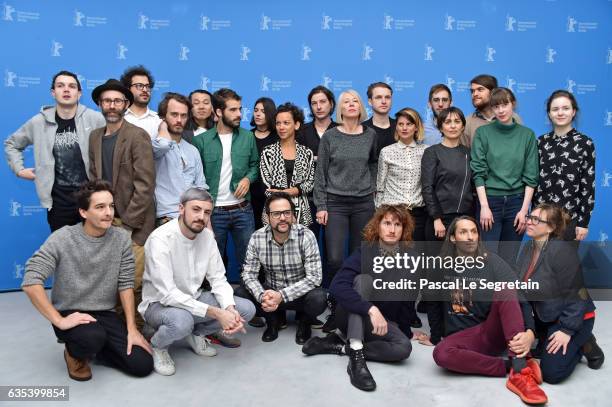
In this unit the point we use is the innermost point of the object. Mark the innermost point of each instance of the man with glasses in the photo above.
(288, 256)
(140, 82)
(121, 154)
(440, 98)
(60, 135)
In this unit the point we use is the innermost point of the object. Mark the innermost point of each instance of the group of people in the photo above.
(164, 189)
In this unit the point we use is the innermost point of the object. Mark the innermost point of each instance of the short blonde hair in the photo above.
(362, 112)
(413, 117)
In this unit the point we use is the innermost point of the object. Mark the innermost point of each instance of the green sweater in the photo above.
(504, 158)
(245, 158)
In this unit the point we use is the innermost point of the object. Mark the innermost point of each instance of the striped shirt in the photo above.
(292, 268)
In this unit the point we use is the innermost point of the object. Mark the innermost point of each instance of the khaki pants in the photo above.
(139, 259)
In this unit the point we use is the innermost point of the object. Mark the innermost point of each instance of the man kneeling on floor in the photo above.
(288, 255)
(179, 255)
(370, 327)
(90, 262)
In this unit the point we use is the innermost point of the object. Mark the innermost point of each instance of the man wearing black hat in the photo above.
(121, 153)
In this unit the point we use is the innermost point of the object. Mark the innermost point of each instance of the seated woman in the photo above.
(287, 166)
(370, 327)
(480, 324)
(564, 312)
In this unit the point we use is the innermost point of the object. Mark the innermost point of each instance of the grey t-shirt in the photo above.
(108, 149)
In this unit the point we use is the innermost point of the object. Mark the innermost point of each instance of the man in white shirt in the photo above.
(140, 82)
(179, 256)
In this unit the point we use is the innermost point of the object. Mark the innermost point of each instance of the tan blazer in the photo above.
(133, 177)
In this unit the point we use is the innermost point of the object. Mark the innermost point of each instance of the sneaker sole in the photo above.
(525, 400)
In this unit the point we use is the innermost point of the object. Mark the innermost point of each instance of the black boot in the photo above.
(303, 332)
(330, 323)
(358, 371)
(593, 353)
(271, 332)
(328, 345)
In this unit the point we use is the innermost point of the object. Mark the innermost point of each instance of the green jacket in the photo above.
(245, 158)
(504, 158)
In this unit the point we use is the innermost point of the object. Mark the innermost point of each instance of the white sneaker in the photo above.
(162, 362)
(201, 345)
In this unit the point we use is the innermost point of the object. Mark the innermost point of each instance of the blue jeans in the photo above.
(240, 223)
(172, 324)
(504, 209)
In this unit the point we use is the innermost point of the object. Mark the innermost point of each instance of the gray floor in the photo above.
(275, 374)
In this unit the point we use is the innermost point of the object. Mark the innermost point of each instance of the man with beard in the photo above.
(180, 255)
(178, 165)
(480, 88)
(231, 163)
(380, 97)
(440, 98)
(60, 136)
(92, 265)
(288, 256)
(121, 154)
(140, 82)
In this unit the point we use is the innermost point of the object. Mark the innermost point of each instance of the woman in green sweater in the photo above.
(505, 168)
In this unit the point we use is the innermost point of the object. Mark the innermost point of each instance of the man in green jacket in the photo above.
(231, 164)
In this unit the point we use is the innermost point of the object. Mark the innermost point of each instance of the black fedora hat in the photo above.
(112, 84)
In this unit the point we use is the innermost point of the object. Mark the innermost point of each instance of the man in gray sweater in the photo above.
(90, 262)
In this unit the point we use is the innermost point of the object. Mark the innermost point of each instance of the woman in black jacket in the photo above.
(564, 313)
(446, 177)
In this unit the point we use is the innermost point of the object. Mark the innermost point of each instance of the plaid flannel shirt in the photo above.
(293, 268)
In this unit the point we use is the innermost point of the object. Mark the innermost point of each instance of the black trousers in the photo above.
(308, 306)
(58, 217)
(107, 339)
(392, 347)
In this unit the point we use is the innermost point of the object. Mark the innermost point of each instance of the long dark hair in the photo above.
(210, 121)
(449, 247)
(269, 112)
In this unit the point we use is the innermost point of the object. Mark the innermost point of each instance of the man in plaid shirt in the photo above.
(288, 256)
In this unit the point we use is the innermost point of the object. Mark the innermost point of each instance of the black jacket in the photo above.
(561, 295)
(446, 179)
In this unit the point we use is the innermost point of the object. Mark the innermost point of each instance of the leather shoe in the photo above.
(330, 345)
(303, 332)
(271, 332)
(358, 371)
(593, 353)
(78, 369)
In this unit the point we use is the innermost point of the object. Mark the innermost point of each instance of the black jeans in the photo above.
(58, 217)
(392, 347)
(105, 338)
(308, 306)
(347, 216)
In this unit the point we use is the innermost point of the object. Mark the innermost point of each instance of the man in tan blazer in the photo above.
(121, 153)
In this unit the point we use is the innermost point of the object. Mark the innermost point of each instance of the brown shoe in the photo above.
(78, 369)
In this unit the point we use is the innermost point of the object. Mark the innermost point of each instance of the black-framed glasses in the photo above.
(141, 86)
(535, 220)
(278, 214)
(117, 102)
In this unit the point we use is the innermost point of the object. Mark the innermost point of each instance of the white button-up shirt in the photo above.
(149, 121)
(175, 268)
(399, 175)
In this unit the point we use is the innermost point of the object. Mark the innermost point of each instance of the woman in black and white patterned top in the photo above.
(567, 165)
(288, 166)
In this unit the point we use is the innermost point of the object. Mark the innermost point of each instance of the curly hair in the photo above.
(370, 232)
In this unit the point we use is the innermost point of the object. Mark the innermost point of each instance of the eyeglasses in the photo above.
(141, 86)
(117, 102)
(535, 220)
(438, 100)
(278, 214)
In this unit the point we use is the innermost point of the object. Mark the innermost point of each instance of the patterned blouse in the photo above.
(399, 175)
(567, 174)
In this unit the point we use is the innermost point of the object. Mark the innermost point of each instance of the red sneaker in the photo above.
(535, 368)
(524, 385)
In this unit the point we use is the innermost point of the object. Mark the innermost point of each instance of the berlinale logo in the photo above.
(204, 20)
(306, 50)
(550, 55)
(244, 53)
(265, 82)
(14, 208)
(9, 78)
(78, 18)
(490, 54)
(183, 51)
(366, 55)
(246, 114)
(121, 50)
(55, 48)
(429, 53)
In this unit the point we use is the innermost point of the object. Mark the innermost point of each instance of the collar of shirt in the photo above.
(403, 146)
(572, 132)
(478, 114)
(149, 112)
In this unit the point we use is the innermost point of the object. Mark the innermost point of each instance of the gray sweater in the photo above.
(346, 165)
(88, 271)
